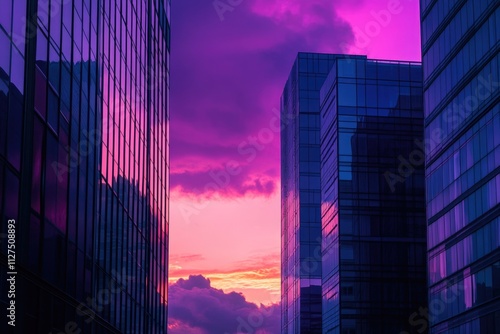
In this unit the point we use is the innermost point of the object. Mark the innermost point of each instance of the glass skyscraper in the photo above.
(373, 205)
(84, 160)
(460, 48)
(300, 194)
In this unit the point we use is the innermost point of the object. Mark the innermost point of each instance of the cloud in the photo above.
(259, 272)
(297, 15)
(226, 81)
(217, 181)
(186, 258)
(195, 307)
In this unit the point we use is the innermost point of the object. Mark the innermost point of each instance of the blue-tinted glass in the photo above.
(388, 72)
(346, 68)
(54, 68)
(4, 56)
(14, 129)
(44, 13)
(371, 96)
(388, 96)
(38, 139)
(40, 93)
(17, 71)
(51, 178)
(347, 95)
(53, 109)
(55, 21)
(19, 27)
(371, 71)
(361, 95)
(457, 65)
(370, 143)
(4, 107)
(6, 17)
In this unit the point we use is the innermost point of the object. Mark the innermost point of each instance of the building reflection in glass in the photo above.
(373, 202)
(301, 195)
(461, 61)
(84, 163)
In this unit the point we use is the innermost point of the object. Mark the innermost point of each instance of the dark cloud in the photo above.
(227, 77)
(220, 182)
(197, 308)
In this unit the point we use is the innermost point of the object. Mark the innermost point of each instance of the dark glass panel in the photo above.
(11, 206)
(17, 71)
(388, 72)
(371, 96)
(54, 68)
(42, 53)
(4, 56)
(53, 173)
(4, 107)
(38, 139)
(72, 204)
(34, 243)
(54, 255)
(66, 44)
(14, 128)
(40, 93)
(62, 190)
(53, 110)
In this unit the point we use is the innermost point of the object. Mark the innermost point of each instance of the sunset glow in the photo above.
(227, 226)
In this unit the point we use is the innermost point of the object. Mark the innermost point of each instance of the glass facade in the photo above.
(372, 197)
(300, 194)
(460, 47)
(84, 161)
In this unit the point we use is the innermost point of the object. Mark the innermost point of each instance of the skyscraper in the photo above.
(373, 206)
(84, 163)
(461, 61)
(300, 194)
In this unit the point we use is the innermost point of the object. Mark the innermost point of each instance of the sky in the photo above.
(229, 62)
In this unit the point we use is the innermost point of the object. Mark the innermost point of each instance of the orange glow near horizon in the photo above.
(229, 242)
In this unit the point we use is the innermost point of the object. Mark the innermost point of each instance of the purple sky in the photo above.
(228, 69)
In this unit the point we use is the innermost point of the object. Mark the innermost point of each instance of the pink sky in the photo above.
(226, 78)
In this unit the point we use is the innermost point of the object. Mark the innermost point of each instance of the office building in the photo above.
(372, 189)
(84, 157)
(300, 194)
(461, 66)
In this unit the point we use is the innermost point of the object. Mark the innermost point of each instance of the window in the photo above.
(347, 95)
(346, 68)
(346, 252)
